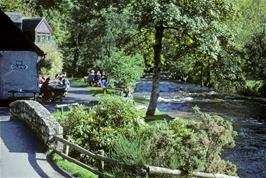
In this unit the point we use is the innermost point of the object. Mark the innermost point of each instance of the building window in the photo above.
(38, 40)
(43, 38)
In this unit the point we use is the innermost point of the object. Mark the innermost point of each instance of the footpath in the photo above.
(75, 94)
(21, 155)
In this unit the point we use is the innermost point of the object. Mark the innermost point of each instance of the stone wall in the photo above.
(38, 118)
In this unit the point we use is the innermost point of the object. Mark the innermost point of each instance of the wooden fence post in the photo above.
(101, 163)
(67, 148)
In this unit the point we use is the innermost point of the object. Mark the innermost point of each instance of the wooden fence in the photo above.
(142, 170)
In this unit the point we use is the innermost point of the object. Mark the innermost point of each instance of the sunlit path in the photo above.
(21, 155)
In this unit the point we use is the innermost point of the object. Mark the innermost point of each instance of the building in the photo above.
(37, 29)
(19, 58)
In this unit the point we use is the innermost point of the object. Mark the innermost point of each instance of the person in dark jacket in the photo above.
(45, 91)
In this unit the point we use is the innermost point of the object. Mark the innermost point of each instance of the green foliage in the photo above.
(74, 120)
(124, 70)
(53, 62)
(116, 126)
(16, 6)
(73, 169)
(94, 129)
(255, 56)
(201, 39)
(250, 19)
(253, 88)
(219, 135)
(179, 144)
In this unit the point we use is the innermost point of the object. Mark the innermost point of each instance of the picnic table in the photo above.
(14, 92)
(58, 91)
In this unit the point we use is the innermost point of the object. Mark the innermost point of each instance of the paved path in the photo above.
(75, 95)
(20, 153)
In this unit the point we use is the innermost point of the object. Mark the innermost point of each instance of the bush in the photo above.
(179, 144)
(95, 129)
(253, 88)
(116, 126)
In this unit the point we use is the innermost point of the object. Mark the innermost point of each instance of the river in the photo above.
(248, 116)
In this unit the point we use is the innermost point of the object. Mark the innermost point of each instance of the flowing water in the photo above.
(247, 114)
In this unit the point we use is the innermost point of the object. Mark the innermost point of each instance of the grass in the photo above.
(95, 90)
(141, 100)
(71, 168)
(79, 82)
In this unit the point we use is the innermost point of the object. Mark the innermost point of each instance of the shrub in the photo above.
(95, 129)
(116, 126)
(251, 88)
(179, 144)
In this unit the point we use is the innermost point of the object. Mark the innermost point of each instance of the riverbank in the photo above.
(248, 115)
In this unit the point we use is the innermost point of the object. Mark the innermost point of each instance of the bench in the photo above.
(34, 92)
(62, 106)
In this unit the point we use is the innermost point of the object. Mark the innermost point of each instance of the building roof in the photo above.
(30, 24)
(15, 16)
(13, 39)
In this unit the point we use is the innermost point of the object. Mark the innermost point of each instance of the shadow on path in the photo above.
(21, 153)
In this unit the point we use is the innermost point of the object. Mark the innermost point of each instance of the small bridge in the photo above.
(21, 154)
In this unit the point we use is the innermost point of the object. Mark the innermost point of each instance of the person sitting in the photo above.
(45, 91)
(66, 84)
(97, 77)
(41, 81)
(104, 83)
(63, 83)
(91, 77)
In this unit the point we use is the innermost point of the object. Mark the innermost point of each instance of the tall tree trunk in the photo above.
(156, 70)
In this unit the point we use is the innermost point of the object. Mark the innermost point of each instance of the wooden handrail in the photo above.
(141, 170)
(86, 152)
(153, 170)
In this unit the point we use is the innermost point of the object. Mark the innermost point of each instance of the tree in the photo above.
(53, 62)
(196, 25)
(16, 6)
(255, 55)
(249, 20)
(124, 70)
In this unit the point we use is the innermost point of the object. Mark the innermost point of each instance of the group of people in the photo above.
(98, 79)
(46, 86)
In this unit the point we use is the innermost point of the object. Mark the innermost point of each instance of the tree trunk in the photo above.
(156, 70)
